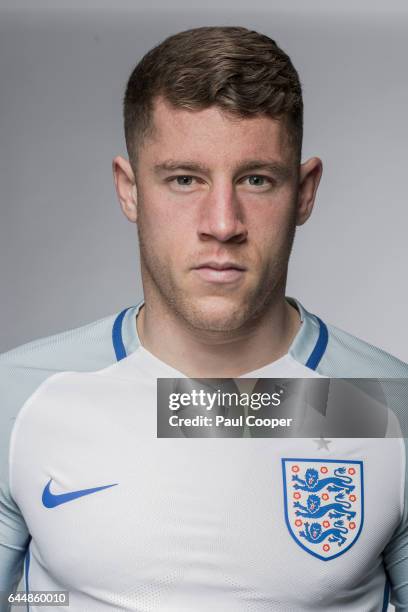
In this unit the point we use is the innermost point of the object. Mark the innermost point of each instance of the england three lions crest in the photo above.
(324, 504)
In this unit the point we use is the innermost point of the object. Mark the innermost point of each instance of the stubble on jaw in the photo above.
(256, 305)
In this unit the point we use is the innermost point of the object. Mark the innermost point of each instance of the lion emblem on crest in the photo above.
(324, 504)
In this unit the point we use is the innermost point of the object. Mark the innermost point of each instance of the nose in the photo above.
(222, 216)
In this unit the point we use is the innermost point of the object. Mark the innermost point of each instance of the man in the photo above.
(90, 497)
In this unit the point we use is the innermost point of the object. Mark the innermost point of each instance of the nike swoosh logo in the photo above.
(50, 500)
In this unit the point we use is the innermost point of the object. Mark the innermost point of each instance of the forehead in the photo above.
(213, 134)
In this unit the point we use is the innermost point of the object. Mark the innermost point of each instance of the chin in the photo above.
(215, 317)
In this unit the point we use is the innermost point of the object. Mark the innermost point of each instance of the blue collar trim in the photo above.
(320, 346)
(117, 340)
(312, 362)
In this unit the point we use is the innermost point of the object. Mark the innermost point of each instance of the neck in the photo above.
(213, 354)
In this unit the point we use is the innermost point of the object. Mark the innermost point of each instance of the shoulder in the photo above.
(81, 348)
(86, 348)
(349, 356)
(335, 353)
(23, 370)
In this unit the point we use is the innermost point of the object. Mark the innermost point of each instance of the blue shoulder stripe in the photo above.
(117, 339)
(320, 346)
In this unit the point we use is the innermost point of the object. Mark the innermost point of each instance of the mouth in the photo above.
(217, 272)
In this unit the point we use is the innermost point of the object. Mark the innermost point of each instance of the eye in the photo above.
(257, 180)
(257, 183)
(184, 180)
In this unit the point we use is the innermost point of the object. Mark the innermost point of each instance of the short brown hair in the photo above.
(241, 71)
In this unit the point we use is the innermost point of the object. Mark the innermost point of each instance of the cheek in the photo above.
(273, 229)
(158, 207)
(274, 212)
(161, 230)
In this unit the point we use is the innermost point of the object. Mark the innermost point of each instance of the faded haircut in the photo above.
(238, 70)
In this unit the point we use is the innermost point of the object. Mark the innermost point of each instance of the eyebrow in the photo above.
(281, 171)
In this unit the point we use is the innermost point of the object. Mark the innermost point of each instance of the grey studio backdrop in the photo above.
(68, 256)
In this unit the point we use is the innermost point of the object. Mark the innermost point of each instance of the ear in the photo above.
(125, 184)
(309, 179)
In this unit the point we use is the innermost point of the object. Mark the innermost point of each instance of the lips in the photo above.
(217, 265)
(220, 272)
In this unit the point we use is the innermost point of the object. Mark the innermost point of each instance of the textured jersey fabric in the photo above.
(188, 526)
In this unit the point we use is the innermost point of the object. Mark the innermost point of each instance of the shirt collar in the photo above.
(300, 350)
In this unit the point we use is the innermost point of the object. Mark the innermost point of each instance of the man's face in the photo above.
(215, 192)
